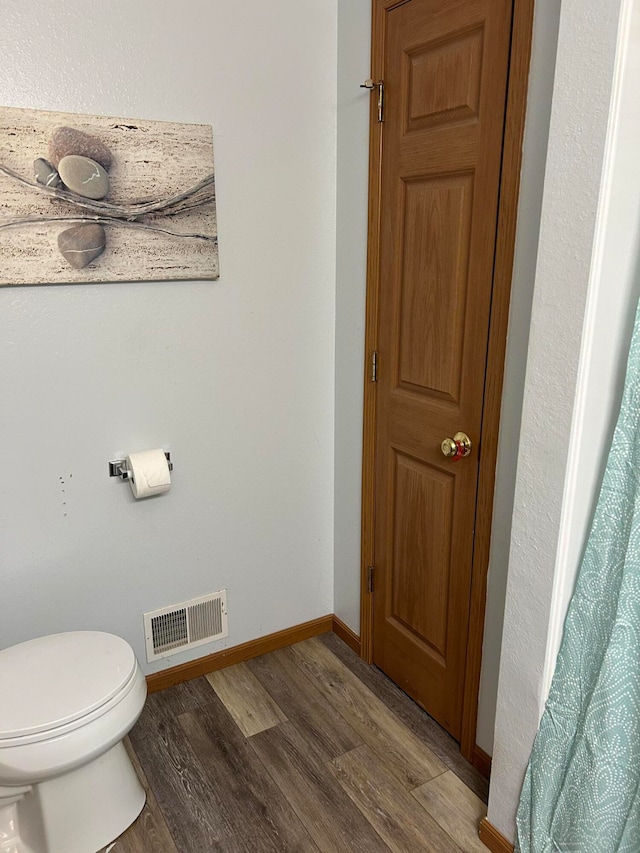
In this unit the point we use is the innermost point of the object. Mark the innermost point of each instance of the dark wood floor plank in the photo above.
(315, 795)
(403, 753)
(195, 815)
(304, 704)
(183, 697)
(388, 806)
(420, 723)
(261, 818)
(250, 705)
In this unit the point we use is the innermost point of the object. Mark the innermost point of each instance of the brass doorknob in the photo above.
(457, 447)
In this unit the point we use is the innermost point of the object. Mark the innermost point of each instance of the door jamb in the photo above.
(520, 54)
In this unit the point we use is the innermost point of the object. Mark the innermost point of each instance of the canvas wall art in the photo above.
(98, 199)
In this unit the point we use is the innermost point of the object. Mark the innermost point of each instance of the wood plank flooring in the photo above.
(304, 749)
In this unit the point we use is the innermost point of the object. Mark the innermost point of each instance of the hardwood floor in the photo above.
(304, 749)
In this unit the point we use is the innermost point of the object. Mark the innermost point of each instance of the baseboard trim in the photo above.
(237, 654)
(346, 634)
(481, 761)
(494, 840)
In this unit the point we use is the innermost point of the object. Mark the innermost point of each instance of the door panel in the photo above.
(436, 224)
(420, 604)
(444, 82)
(445, 74)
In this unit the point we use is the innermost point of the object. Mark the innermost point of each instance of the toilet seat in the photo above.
(61, 682)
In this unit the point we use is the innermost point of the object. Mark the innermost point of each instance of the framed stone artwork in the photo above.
(98, 199)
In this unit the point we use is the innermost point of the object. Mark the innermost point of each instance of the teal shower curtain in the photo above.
(581, 793)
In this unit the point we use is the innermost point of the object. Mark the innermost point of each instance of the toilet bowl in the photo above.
(66, 782)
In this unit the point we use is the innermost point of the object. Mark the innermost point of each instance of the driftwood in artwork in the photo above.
(181, 201)
(171, 234)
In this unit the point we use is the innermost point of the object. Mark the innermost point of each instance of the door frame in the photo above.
(520, 54)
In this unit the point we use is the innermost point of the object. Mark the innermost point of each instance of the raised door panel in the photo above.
(443, 79)
(421, 551)
(433, 287)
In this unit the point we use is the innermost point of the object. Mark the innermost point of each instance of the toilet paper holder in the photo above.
(118, 468)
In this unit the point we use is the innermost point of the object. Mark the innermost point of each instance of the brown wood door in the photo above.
(445, 68)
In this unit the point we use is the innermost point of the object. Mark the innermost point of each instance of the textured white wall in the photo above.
(354, 37)
(534, 155)
(610, 313)
(235, 377)
(583, 290)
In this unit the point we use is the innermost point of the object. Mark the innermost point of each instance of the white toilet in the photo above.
(66, 703)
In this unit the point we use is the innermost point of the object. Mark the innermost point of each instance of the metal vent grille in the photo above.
(183, 626)
(205, 619)
(169, 630)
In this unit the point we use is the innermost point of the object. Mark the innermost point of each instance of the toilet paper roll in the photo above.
(149, 473)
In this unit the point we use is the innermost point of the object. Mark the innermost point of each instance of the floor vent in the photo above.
(183, 626)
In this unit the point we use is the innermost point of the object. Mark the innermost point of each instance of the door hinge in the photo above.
(370, 571)
(370, 84)
(374, 366)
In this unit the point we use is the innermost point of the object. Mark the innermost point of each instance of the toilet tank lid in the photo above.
(53, 680)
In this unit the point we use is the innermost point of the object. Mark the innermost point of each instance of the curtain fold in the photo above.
(581, 792)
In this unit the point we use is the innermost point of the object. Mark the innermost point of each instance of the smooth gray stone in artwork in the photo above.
(68, 140)
(84, 176)
(45, 173)
(82, 244)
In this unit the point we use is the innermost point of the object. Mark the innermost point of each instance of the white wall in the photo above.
(354, 37)
(610, 313)
(585, 291)
(534, 154)
(235, 377)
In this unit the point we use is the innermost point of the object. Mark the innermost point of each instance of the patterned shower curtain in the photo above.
(581, 793)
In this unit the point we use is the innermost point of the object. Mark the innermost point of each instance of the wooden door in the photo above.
(445, 68)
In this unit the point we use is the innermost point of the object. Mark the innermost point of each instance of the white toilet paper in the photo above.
(149, 473)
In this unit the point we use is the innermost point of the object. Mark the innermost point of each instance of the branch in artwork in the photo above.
(16, 221)
(198, 195)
